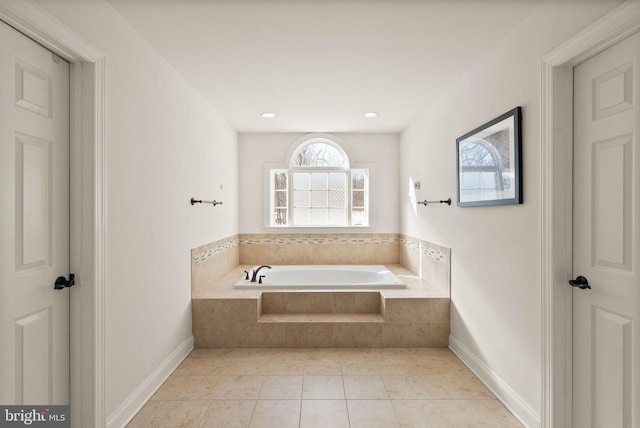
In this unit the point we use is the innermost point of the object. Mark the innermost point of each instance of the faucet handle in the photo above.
(246, 276)
(260, 280)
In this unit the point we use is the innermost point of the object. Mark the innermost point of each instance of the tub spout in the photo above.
(255, 272)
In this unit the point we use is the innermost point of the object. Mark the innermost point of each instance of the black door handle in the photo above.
(62, 282)
(580, 282)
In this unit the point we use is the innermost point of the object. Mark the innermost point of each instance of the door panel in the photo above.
(34, 222)
(32, 355)
(33, 202)
(611, 207)
(33, 89)
(606, 379)
(611, 362)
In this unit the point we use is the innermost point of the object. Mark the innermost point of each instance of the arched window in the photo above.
(484, 170)
(319, 189)
(319, 152)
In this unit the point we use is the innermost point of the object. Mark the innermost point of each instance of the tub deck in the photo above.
(322, 277)
(227, 317)
(224, 287)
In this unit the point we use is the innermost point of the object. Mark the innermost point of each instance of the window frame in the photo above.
(320, 170)
(290, 169)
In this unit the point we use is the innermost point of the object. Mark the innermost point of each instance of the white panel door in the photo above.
(34, 222)
(606, 239)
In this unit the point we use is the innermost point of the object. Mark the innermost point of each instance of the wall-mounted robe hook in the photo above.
(200, 201)
(425, 202)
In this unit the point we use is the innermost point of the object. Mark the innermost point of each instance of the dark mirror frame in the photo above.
(495, 155)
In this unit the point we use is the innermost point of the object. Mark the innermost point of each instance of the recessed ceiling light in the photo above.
(267, 115)
(370, 114)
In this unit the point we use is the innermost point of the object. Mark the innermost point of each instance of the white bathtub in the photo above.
(315, 277)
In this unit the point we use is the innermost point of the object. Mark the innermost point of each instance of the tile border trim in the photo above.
(204, 252)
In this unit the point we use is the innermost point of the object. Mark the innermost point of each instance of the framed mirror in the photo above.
(489, 162)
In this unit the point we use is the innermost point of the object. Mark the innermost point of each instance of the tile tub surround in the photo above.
(211, 262)
(223, 287)
(224, 317)
(323, 388)
(320, 249)
(412, 317)
(315, 330)
(432, 262)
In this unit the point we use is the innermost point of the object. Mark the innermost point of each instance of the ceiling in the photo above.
(319, 65)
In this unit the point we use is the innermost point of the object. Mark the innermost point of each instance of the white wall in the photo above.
(165, 144)
(496, 266)
(256, 150)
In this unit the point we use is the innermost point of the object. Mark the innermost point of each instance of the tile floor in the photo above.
(324, 388)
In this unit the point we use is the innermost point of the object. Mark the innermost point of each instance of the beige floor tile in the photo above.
(281, 388)
(188, 388)
(401, 361)
(237, 387)
(275, 359)
(407, 387)
(322, 362)
(420, 414)
(276, 413)
(368, 368)
(323, 388)
(353, 354)
(456, 387)
(476, 413)
(360, 362)
(170, 414)
(402, 367)
(283, 367)
(244, 365)
(221, 363)
(364, 387)
(372, 414)
(438, 364)
(208, 353)
(322, 369)
(228, 414)
(324, 414)
(197, 367)
(429, 387)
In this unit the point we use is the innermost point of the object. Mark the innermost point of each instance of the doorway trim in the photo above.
(556, 202)
(88, 202)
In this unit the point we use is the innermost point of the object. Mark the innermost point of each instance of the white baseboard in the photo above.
(512, 401)
(132, 405)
